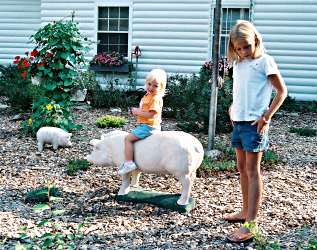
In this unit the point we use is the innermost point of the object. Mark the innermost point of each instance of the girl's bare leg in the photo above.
(255, 185)
(129, 140)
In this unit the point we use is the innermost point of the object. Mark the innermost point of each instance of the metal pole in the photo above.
(215, 75)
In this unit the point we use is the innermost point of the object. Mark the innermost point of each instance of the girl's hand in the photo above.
(135, 111)
(262, 125)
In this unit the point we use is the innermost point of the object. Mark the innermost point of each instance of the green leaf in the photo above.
(41, 207)
(53, 198)
(23, 228)
(23, 236)
(58, 212)
(70, 236)
(42, 223)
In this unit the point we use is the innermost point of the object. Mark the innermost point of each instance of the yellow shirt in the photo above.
(151, 103)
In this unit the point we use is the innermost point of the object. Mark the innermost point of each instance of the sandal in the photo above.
(240, 237)
(234, 218)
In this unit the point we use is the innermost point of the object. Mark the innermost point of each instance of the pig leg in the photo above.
(186, 187)
(135, 178)
(40, 146)
(125, 185)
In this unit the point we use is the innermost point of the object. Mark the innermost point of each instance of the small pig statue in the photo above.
(166, 152)
(52, 135)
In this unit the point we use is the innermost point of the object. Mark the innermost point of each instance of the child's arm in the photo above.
(145, 114)
(281, 93)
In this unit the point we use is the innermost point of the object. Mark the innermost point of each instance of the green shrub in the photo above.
(19, 90)
(110, 121)
(188, 99)
(224, 165)
(114, 96)
(75, 165)
(309, 132)
(57, 56)
(291, 105)
(41, 195)
(270, 157)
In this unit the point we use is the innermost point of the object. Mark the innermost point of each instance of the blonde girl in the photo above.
(149, 116)
(255, 74)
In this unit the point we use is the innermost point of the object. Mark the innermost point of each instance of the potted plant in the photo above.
(113, 62)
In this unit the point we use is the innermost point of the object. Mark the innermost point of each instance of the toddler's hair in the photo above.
(244, 30)
(161, 78)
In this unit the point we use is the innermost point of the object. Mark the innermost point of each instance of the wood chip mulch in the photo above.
(288, 213)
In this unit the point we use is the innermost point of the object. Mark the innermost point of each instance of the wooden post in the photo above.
(215, 75)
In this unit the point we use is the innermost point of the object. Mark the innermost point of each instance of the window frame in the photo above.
(117, 3)
(242, 9)
(226, 35)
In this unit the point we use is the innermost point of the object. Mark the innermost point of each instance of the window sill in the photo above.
(124, 68)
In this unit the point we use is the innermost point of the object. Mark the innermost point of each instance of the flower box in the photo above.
(124, 68)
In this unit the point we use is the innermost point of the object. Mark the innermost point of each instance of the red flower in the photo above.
(19, 67)
(35, 53)
(48, 55)
(17, 58)
(23, 74)
(40, 64)
(16, 62)
(26, 64)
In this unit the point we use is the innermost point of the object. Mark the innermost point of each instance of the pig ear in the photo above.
(93, 142)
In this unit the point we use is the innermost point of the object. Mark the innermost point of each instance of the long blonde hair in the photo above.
(160, 76)
(244, 30)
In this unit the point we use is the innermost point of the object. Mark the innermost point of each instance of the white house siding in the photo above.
(18, 21)
(172, 34)
(85, 15)
(289, 30)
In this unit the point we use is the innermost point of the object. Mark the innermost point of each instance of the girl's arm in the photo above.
(281, 93)
(145, 114)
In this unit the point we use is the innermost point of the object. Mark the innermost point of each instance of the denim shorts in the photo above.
(143, 130)
(246, 137)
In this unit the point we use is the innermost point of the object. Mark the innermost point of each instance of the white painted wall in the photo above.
(85, 15)
(18, 21)
(172, 34)
(289, 30)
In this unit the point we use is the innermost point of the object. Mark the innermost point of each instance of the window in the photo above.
(113, 27)
(229, 18)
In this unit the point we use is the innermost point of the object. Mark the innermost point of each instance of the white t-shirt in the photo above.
(252, 90)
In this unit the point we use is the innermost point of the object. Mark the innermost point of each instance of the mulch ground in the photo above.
(288, 213)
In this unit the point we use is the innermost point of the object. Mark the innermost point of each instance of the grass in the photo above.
(309, 132)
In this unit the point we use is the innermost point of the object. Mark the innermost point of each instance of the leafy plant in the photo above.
(261, 243)
(227, 165)
(188, 98)
(19, 90)
(75, 165)
(309, 132)
(110, 121)
(42, 194)
(270, 157)
(55, 59)
(48, 233)
(292, 105)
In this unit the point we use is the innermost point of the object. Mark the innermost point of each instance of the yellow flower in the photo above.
(30, 121)
(49, 106)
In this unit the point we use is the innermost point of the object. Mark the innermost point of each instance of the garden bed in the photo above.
(289, 201)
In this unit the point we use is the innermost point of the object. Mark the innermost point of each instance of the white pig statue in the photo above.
(166, 152)
(52, 135)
